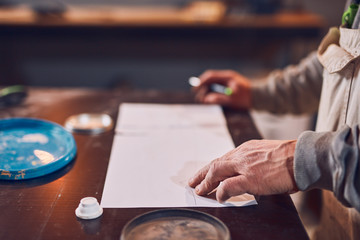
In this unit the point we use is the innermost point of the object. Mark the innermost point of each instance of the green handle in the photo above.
(349, 15)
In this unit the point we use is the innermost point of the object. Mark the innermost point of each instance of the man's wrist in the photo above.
(311, 161)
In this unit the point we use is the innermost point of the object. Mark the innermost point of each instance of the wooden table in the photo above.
(44, 208)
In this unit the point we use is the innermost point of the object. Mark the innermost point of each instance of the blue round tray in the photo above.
(31, 148)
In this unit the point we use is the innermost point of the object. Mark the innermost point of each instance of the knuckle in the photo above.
(214, 169)
(229, 71)
(206, 184)
(250, 142)
(226, 186)
(215, 165)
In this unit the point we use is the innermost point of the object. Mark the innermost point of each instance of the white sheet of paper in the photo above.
(157, 148)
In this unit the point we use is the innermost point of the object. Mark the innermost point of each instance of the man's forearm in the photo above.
(296, 89)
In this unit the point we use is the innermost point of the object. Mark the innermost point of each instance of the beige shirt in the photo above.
(328, 158)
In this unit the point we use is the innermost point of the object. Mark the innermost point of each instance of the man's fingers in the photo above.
(199, 176)
(230, 187)
(217, 76)
(217, 98)
(200, 93)
(218, 171)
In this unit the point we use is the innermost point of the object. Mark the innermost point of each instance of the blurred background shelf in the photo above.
(197, 14)
(64, 43)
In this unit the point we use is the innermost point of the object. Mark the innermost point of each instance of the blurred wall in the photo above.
(332, 10)
(76, 59)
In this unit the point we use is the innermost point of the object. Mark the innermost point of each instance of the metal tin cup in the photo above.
(89, 123)
(180, 224)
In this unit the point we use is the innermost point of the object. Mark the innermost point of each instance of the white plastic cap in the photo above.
(194, 81)
(89, 208)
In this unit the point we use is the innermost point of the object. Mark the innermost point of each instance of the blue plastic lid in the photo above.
(31, 148)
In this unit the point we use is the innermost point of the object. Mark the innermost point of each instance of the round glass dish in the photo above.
(89, 123)
(179, 224)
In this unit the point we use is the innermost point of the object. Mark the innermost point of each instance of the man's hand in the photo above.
(240, 86)
(258, 167)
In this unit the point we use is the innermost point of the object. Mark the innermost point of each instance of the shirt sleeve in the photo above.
(330, 160)
(296, 89)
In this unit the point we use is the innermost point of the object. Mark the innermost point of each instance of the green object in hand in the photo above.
(228, 91)
(349, 15)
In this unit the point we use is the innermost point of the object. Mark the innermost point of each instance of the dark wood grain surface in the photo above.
(44, 208)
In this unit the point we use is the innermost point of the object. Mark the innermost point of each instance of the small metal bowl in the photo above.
(181, 224)
(89, 123)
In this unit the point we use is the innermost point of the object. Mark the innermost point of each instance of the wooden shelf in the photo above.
(195, 15)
